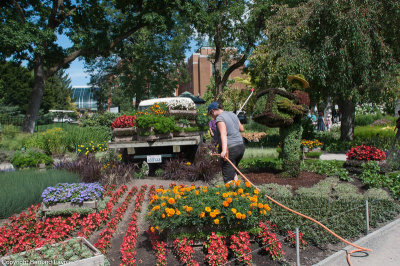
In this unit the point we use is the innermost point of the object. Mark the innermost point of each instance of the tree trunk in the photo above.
(348, 109)
(36, 96)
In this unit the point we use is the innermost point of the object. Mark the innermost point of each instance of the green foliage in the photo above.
(291, 140)
(57, 93)
(313, 154)
(262, 164)
(11, 140)
(328, 168)
(341, 216)
(161, 124)
(98, 120)
(202, 118)
(366, 119)
(275, 190)
(30, 158)
(371, 175)
(16, 84)
(253, 153)
(21, 189)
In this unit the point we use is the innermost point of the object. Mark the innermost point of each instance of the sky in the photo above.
(76, 71)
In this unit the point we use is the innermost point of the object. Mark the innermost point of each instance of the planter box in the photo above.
(124, 134)
(155, 137)
(121, 132)
(97, 258)
(354, 166)
(68, 205)
(187, 114)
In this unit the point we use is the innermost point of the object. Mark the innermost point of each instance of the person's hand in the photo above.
(224, 155)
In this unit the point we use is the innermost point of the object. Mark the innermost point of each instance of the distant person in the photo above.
(321, 122)
(314, 119)
(328, 122)
(231, 144)
(213, 130)
(397, 127)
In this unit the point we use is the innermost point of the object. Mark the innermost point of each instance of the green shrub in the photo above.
(371, 176)
(313, 154)
(329, 168)
(264, 164)
(275, 190)
(341, 216)
(84, 135)
(253, 153)
(21, 189)
(377, 194)
(366, 119)
(30, 158)
(99, 120)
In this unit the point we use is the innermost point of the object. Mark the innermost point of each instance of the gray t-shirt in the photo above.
(232, 128)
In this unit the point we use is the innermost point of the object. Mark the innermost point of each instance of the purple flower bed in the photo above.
(74, 193)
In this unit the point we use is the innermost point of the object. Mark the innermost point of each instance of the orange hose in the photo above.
(359, 249)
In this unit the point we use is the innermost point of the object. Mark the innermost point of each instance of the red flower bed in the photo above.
(367, 153)
(128, 246)
(124, 121)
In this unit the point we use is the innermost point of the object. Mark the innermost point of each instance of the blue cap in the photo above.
(212, 106)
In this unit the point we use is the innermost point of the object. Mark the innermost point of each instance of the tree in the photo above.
(150, 64)
(15, 84)
(94, 27)
(233, 28)
(352, 62)
(337, 45)
(57, 93)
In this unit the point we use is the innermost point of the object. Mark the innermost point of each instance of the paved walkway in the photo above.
(333, 156)
(384, 243)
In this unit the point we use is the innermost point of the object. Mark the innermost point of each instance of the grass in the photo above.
(21, 189)
(257, 153)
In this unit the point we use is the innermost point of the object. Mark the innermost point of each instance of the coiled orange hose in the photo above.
(358, 248)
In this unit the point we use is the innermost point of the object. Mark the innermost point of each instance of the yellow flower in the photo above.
(227, 185)
(233, 210)
(216, 221)
(171, 201)
(224, 195)
(188, 163)
(249, 212)
(240, 191)
(256, 191)
(260, 205)
(197, 192)
(213, 214)
(152, 229)
(248, 184)
(225, 204)
(202, 214)
(163, 216)
(229, 200)
(238, 215)
(207, 209)
(163, 204)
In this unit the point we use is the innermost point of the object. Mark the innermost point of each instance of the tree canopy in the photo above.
(338, 45)
(29, 31)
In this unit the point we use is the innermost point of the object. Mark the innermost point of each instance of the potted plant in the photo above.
(151, 127)
(363, 154)
(76, 195)
(124, 127)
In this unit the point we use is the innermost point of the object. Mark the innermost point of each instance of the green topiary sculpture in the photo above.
(284, 109)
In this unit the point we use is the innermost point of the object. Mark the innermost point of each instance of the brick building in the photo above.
(200, 70)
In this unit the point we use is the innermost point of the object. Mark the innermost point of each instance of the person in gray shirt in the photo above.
(231, 144)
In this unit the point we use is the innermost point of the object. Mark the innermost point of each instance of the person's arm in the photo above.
(224, 139)
(241, 127)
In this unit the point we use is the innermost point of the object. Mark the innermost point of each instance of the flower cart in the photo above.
(165, 128)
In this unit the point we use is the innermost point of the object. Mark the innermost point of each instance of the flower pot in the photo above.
(187, 114)
(123, 132)
(93, 204)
